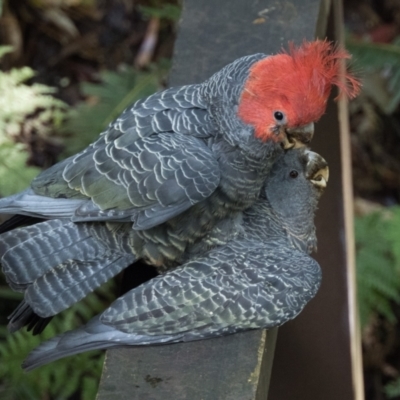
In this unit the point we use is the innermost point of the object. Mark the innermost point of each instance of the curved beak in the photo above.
(317, 170)
(320, 180)
(298, 136)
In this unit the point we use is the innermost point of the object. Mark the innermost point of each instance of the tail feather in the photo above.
(11, 239)
(62, 287)
(23, 315)
(92, 336)
(16, 221)
(37, 324)
(30, 204)
(71, 281)
(57, 263)
(19, 317)
(32, 251)
(73, 342)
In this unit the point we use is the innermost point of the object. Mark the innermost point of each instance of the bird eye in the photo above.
(294, 174)
(278, 115)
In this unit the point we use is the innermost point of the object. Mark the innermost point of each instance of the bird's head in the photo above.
(293, 189)
(286, 93)
(296, 182)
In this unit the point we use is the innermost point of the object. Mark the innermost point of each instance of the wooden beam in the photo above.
(214, 33)
(223, 368)
(316, 353)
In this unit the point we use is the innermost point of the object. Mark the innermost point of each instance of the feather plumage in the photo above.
(161, 177)
(260, 278)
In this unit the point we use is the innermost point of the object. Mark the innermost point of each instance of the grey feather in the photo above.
(259, 278)
(166, 173)
(170, 167)
(29, 203)
(166, 151)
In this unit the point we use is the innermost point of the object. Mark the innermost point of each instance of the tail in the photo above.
(16, 221)
(92, 336)
(30, 204)
(23, 315)
(56, 263)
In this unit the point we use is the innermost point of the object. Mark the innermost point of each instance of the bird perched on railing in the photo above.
(163, 174)
(260, 278)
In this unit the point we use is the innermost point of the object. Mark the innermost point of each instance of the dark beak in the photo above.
(299, 136)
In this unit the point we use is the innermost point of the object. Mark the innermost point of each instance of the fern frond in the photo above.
(23, 108)
(165, 11)
(392, 389)
(373, 58)
(62, 378)
(116, 92)
(373, 55)
(14, 174)
(378, 277)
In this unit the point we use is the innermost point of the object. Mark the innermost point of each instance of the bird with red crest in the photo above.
(163, 174)
(289, 91)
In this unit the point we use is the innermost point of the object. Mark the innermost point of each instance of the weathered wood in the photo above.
(315, 358)
(198, 370)
(214, 33)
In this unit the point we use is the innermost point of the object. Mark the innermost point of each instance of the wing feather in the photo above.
(148, 166)
(243, 285)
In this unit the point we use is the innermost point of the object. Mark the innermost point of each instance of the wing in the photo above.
(148, 166)
(242, 286)
(56, 263)
(148, 181)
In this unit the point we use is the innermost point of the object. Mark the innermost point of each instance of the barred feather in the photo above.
(260, 278)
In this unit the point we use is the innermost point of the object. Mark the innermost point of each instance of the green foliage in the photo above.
(14, 174)
(166, 11)
(378, 270)
(60, 379)
(23, 109)
(116, 92)
(392, 389)
(378, 264)
(379, 62)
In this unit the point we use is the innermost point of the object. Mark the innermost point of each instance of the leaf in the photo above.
(23, 108)
(14, 174)
(392, 389)
(378, 264)
(63, 377)
(116, 92)
(373, 55)
(381, 80)
(5, 49)
(8, 294)
(165, 11)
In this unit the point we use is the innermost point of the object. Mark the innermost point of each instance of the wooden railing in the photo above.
(318, 354)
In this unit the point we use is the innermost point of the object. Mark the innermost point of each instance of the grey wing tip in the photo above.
(17, 221)
(92, 336)
(8, 201)
(43, 354)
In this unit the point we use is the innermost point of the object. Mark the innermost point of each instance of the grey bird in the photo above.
(163, 174)
(260, 278)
